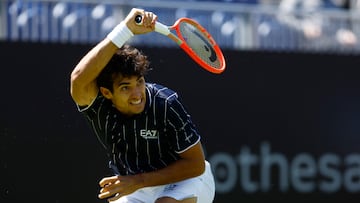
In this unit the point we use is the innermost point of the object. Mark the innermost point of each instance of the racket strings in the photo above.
(200, 44)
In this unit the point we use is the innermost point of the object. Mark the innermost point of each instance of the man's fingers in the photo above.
(107, 192)
(111, 195)
(108, 180)
(103, 195)
(109, 187)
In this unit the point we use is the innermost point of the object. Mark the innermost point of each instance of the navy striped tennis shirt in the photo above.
(145, 142)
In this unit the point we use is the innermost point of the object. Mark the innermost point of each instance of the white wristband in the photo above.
(120, 34)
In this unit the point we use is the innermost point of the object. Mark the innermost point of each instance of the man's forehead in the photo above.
(120, 79)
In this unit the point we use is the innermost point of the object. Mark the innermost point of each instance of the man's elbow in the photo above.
(75, 87)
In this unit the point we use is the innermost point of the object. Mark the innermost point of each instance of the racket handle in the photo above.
(159, 27)
(162, 29)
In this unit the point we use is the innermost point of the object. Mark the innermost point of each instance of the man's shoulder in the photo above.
(161, 92)
(100, 102)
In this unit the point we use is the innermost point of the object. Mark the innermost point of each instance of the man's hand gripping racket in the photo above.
(195, 40)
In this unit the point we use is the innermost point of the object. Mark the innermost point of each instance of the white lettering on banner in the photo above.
(272, 171)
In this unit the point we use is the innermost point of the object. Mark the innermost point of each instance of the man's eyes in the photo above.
(140, 82)
(124, 88)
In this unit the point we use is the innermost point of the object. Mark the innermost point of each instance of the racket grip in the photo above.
(159, 27)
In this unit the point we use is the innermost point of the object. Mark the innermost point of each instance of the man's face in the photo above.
(129, 94)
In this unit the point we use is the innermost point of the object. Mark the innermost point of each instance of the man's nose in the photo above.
(137, 92)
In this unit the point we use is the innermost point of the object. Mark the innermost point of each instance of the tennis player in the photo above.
(153, 146)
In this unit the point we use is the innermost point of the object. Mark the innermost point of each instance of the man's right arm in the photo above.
(83, 87)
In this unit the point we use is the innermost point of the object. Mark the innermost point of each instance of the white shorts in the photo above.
(202, 187)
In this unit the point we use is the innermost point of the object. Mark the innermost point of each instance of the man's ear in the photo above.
(106, 92)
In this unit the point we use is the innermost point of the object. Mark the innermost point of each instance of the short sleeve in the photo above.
(181, 130)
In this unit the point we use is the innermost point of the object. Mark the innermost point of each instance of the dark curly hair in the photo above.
(127, 61)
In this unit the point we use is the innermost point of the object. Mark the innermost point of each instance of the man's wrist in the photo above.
(141, 180)
(120, 34)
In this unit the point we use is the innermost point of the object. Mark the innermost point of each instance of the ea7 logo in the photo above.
(149, 134)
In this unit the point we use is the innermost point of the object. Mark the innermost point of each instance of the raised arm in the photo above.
(83, 88)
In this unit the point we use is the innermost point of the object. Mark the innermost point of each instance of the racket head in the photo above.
(199, 45)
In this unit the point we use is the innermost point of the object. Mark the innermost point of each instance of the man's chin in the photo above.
(138, 110)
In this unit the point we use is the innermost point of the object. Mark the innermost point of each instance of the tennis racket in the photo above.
(195, 40)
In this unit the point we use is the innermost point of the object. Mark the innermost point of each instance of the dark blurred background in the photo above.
(280, 124)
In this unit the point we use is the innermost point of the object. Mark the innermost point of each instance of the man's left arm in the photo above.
(191, 164)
